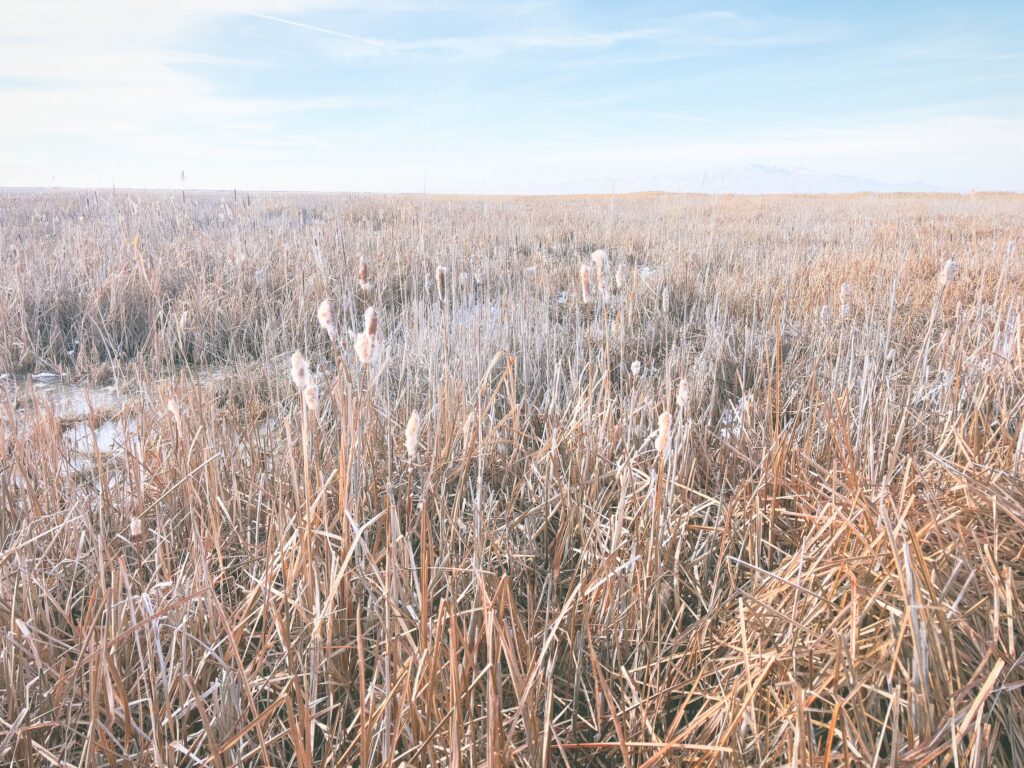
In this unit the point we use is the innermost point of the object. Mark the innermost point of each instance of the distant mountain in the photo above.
(741, 180)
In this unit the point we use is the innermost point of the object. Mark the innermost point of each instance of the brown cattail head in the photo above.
(585, 283)
(948, 273)
(441, 279)
(325, 316)
(364, 283)
(300, 370)
(412, 434)
(661, 441)
(364, 343)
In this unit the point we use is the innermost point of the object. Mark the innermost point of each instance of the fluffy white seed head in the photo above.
(365, 342)
(661, 441)
(845, 297)
(172, 408)
(325, 316)
(584, 283)
(683, 395)
(370, 321)
(364, 348)
(635, 367)
(441, 279)
(300, 370)
(311, 395)
(412, 434)
(948, 273)
(363, 276)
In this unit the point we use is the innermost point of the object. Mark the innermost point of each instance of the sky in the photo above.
(508, 96)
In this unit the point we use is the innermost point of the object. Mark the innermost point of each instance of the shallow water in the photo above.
(93, 418)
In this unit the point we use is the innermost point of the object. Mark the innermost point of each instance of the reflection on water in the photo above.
(92, 419)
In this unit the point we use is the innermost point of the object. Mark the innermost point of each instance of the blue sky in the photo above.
(517, 95)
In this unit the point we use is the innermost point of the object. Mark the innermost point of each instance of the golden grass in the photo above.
(792, 537)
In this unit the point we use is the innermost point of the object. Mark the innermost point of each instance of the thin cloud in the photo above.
(479, 45)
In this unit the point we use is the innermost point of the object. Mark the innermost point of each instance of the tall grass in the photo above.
(786, 537)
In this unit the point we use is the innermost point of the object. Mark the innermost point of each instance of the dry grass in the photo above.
(812, 558)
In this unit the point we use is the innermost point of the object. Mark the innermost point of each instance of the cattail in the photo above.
(441, 278)
(635, 368)
(584, 283)
(135, 528)
(412, 434)
(311, 396)
(620, 278)
(948, 274)
(364, 343)
(665, 297)
(661, 441)
(364, 283)
(300, 371)
(600, 259)
(825, 313)
(172, 408)
(325, 316)
(845, 296)
(683, 395)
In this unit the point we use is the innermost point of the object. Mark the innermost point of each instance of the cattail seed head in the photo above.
(683, 395)
(635, 368)
(370, 321)
(363, 276)
(666, 297)
(364, 348)
(620, 278)
(584, 283)
(300, 370)
(600, 260)
(948, 273)
(412, 434)
(825, 313)
(325, 316)
(441, 279)
(135, 528)
(365, 341)
(661, 441)
(845, 296)
(311, 395)
(172, 408)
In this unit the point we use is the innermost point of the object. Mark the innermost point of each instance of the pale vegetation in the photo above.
(744, 489)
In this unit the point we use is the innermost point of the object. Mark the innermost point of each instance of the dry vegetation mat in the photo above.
(425, 481)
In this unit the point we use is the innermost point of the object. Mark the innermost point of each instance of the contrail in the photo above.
(322, 30)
